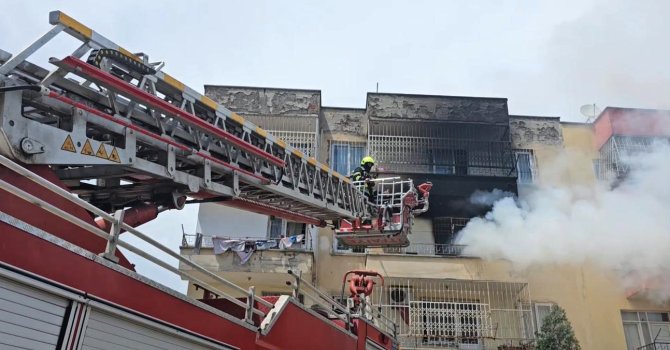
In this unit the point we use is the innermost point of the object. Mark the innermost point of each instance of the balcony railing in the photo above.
(428, 249)
(656, 346)
(418, 249)
(198, 241)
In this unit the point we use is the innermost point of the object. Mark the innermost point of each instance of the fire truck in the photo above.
(102, 140)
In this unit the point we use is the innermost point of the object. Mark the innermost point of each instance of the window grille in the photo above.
(447, 148)
(299, 132)
(457, 313)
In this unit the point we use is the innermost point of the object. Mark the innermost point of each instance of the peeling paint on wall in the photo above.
(351, 121)
(446, 108)
(526, 131)
(266, 101)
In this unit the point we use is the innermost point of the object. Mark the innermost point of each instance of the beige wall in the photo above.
(579, 145)
(331, 267)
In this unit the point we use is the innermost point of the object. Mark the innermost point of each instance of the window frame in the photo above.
(538, 322)
(644, 325)
(284, 228)
(531, 166)
(351, 165)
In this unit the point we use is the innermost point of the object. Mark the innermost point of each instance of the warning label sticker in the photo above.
(87, 149)
(68, 145)
(114, 156)
(102, 152)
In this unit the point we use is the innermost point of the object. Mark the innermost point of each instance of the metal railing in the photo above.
(199, 240)
(459, 314)
(370, 312)
(427, 249)
(442, 147)
(113, 241)
(418, 249)
(656, 346)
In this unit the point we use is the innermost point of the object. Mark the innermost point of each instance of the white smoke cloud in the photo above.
(486, 198)
(625, 229)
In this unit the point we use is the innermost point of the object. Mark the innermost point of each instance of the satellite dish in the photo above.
(590, 111)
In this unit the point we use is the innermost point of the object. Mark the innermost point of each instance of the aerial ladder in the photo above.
(120, 132)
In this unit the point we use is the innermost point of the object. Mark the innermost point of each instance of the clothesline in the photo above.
(245, 247)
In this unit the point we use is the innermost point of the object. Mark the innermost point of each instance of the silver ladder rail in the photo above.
(156, 127)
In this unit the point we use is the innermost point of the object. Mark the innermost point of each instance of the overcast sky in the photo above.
(547, 58)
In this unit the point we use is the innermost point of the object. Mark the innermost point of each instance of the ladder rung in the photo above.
(105, 79)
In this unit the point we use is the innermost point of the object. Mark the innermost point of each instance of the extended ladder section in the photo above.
(120, 132)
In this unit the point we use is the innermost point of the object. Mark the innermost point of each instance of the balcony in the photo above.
(199, 241)
(264, 262)
(427, 249)
(414, 249)
(443, 148)
(458, 314)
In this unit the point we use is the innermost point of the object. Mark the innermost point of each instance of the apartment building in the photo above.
(438, 296)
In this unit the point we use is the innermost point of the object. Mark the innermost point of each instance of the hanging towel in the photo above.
(223, 245)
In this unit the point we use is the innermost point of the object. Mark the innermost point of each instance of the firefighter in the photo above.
(362, 173)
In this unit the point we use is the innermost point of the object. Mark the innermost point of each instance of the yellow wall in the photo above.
(579, 146)
(331, 267)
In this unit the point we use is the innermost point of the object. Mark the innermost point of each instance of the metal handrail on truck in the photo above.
(113, 241)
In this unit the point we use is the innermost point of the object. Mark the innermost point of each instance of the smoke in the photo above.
(625, 229)
(484, 198)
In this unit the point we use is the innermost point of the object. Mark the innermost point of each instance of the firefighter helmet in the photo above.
(367, 160)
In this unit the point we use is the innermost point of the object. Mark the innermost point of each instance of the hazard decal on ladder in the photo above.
(87, 150)
(102, 152)
(68, 145)
(114, 156)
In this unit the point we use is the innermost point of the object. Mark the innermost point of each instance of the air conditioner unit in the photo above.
(399, 296)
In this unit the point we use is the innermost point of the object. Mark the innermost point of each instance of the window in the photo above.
(448, 323)
(525, 166)
(345, 157)
(445, 231)
(642, 328)
(449, 161)
(276, 228)
(294, 229)
(541, 312)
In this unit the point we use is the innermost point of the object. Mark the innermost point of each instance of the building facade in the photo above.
(439, 296)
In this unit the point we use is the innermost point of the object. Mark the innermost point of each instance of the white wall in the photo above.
(220, 220)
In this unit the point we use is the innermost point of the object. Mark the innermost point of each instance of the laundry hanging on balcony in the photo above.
(287, 242)
(244, 249)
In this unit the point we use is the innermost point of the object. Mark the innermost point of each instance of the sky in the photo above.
(547, 57)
